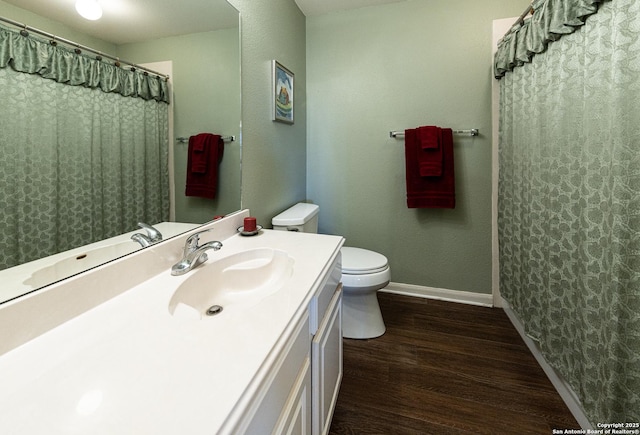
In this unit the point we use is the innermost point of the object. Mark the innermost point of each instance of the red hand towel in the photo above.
(429, 151)
(204, 183)
(429, 192)
(199, 152)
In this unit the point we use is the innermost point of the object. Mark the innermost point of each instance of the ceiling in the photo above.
(142, 19)
(152, 19)
(320, 7)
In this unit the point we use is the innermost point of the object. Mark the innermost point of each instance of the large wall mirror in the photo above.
(199, 42)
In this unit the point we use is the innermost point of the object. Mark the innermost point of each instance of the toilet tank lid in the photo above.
(299, 214)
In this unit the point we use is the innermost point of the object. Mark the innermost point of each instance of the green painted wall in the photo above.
(273, 154)
(391, 67)
(206, 90)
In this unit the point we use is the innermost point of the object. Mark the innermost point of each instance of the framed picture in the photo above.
(282, 94)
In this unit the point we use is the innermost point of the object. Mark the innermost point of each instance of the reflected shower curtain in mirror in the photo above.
(77, 165)
(569, 206)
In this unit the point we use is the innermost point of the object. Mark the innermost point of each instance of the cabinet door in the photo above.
(296, 415)
(326, 354)
(277, 398)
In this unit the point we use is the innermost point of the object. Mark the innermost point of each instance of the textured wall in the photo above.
(273, 154)
(392, 67)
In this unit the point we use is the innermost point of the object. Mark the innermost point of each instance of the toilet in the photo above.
(364, 272)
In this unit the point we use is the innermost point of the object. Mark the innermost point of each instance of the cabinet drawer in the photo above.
(321, 300)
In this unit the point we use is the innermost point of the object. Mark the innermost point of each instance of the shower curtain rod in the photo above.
(520, 20)
(54, 39)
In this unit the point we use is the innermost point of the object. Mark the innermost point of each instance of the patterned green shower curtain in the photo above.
(83, 150)
(569, 202)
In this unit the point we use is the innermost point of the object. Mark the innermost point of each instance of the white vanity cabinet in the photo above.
(300, 393)
(326, 358)
(283, 406)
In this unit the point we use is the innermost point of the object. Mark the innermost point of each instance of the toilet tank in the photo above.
(301, 217)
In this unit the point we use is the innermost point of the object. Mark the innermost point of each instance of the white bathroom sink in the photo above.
(79, 262)
(241, 279)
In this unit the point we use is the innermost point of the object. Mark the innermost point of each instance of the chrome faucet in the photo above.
(194, 254)
(152, 236)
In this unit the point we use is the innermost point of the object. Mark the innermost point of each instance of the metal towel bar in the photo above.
(186, 139)
(469, 132)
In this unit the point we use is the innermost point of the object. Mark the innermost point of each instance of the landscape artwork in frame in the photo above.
(283, 93)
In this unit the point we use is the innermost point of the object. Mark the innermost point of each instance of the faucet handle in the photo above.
(192, 241)
(142, 239)
(153, 233)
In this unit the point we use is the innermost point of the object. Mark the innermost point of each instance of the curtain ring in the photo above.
(133, 68)
(117, 62)
(77, 50)
(24, 32)
(53, 41)
(98, 57)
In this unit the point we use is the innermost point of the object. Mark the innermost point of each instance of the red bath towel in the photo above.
(430, 151)
(429, 192)
(204, 155)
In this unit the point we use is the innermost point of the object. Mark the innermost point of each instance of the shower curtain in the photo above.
(569, 195)
(83, 149)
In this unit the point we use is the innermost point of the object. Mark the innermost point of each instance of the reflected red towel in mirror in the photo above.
(204, 155)
(199, 152)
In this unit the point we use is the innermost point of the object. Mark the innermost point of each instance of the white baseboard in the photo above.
(563, 388)
(442, 294)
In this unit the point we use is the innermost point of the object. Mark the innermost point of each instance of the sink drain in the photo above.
(213, 310)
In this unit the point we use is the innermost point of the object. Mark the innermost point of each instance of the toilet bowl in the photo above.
(364, 272)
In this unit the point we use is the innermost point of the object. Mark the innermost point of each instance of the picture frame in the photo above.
(283, 93)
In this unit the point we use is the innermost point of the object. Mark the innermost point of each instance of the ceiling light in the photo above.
(89, 9)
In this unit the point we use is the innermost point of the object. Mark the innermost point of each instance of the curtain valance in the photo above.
(551, 19)
(34, 56)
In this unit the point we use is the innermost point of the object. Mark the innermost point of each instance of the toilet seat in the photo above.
(365, 283)
(358, 261)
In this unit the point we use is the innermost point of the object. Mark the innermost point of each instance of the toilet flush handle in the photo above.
(293, 229)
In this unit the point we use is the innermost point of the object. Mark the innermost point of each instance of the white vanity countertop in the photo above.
(127, 366)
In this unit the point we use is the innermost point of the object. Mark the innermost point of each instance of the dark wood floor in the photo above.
(445, 368)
